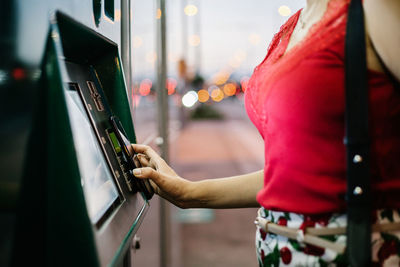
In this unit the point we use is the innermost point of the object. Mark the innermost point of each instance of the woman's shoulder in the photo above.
(284, 30)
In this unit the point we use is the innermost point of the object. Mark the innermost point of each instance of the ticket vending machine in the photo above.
(78, 203)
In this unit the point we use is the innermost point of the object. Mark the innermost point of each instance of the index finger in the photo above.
(148, 151)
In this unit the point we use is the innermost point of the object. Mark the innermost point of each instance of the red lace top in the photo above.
(296, 101)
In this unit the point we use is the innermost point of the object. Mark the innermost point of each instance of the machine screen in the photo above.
(97, 180)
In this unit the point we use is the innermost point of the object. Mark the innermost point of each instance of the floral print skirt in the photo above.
(276, 250)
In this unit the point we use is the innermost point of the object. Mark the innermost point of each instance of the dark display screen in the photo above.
(96, 178)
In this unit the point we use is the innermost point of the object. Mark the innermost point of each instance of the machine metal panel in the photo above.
(74, 199)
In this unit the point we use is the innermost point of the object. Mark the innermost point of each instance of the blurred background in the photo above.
(212, 49)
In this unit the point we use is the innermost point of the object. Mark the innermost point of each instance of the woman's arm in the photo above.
(231, 192)
(383, 24)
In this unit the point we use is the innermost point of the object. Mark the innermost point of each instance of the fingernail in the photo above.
(137, 172)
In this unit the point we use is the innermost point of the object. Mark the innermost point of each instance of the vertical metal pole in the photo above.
(162, 114)
(198, 32)
(126, 45)
(182, 88)
(184, 31)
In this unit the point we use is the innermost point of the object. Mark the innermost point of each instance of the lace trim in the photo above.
(330, 28)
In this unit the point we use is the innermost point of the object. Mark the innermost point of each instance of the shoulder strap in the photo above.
(357, 140)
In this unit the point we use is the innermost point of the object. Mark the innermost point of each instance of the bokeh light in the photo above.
(203, 95)
(145, 87)
(158, 14)
(136, 100)
(221, 77)
(194, 40)
(229, 89)
(190, 10)
(217, 95)
(189, 99)
(171, 85)
(3, 76)
(18, 73)
(211, 88)
(284, 11)
(244, 82)
(35, 75)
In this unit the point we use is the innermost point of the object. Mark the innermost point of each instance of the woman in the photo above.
(295, 98)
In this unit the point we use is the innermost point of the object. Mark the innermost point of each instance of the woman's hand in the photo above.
(163, 178)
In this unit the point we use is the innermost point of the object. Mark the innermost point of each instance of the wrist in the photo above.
(194, 196)
(187, 194)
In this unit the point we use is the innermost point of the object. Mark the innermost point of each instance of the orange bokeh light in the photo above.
(203, 95)
(145, 87)
(158, 14)
(229, 89)
(171, 85)
(221, 77)
(217, 95)
(244, 82)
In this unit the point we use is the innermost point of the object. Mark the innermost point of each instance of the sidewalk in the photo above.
(210, 149)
